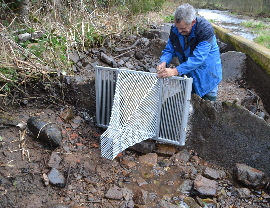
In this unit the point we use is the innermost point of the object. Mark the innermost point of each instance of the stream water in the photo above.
(228, 21)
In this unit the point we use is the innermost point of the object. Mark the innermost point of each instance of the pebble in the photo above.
(56, 178)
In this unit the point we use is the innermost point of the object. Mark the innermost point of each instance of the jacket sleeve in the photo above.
(168, 53)
(194, 61)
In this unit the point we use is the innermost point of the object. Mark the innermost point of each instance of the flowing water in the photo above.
(227, 21)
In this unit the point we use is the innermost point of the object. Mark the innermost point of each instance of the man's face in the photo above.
(183, 28)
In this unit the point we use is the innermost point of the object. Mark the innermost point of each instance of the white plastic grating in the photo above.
(135, 106)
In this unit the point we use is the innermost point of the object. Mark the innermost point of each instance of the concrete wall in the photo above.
(258, 62)
(225, 133)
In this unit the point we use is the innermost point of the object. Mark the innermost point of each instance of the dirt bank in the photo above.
(166, 177)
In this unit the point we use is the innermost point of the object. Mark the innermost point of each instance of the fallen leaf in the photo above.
(94, 145)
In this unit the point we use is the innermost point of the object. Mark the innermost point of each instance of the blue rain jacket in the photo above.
(199, 58)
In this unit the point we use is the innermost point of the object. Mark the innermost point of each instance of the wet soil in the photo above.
(88, 177)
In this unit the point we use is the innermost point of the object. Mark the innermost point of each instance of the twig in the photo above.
(111, 203)
(124, 49)
(3, 76)
(123, 53)
(91, 202)
(22, 143)
(7, 164)
(68, 175)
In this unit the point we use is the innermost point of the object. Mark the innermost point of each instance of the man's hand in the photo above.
(166, 72)
(161, 66)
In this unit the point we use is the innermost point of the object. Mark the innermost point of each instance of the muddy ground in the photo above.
(163, 178)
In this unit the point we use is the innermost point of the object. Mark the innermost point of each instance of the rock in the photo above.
(211, 173)
(46, 131)
(144, 147)
(127, 194)
(165, 149)
(144, 42)
(121, 62)
(76, 122)
(74, 56)
(208, 203)
(204, 186)
(67, 114)
(56, 178)
(37, 35)
(127, 204)
(149, 159)
(141, 181)
(249, 176)
(130, 204)
(185, 187)
(242, 193)
(192, 172)
(108, 60)
(165, 163)
(183, 155)
(114, 192)
(139, 55)
(195, 159)
(8, 119)
(164, 203)
(24, 37)
(54, 160)
(3, 180)
(129, 65)
(57, 206)
(191, 202)
(140, 197)
(152, 69)
(92, 189)
(152, 34)
(128, 163)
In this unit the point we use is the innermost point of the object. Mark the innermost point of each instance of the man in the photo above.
(193, 41)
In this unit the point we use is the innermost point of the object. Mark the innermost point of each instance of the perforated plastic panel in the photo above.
(135, 106)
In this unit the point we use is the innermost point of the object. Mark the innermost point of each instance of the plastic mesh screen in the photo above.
(134, 112)
(135, 106)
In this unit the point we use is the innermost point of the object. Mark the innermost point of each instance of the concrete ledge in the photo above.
(225, 133)
(258, 53)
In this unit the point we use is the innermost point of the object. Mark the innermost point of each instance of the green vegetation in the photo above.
(263, 39)
(79, 26)
(256, 25)
(9, 73)
(10, 76)
(143, 6)
(71, 26)
(169, 18)
(262, 29)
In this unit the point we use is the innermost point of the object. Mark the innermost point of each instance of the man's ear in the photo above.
(193, 22)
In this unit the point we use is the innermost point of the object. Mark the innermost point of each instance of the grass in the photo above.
(262, 29)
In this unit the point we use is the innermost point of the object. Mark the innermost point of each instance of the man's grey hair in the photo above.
(185, 12)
